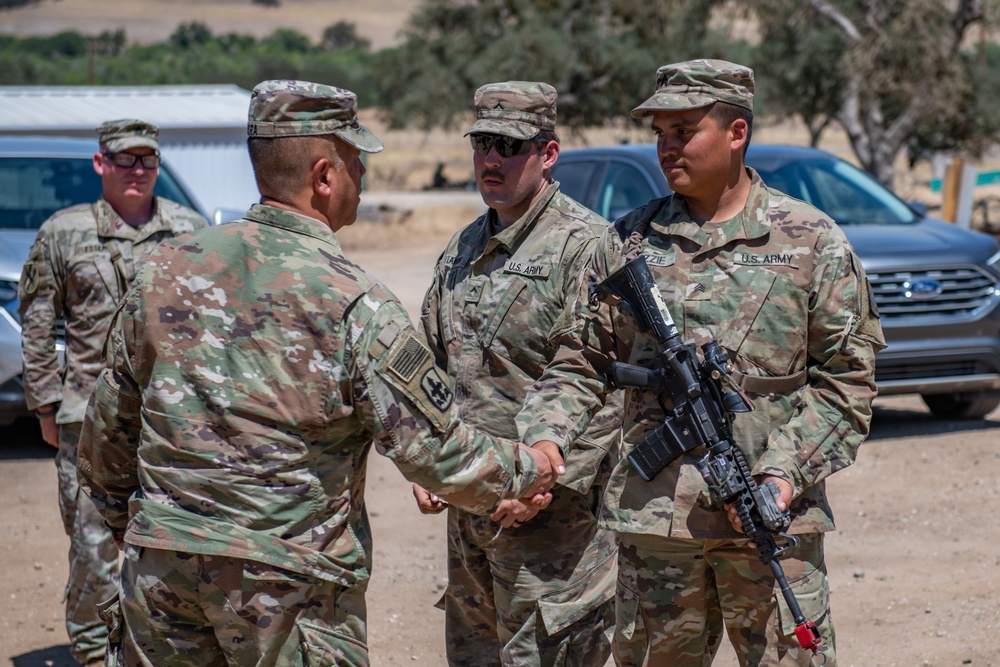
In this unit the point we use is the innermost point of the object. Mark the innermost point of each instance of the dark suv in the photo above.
(937, 285)
(39, 176)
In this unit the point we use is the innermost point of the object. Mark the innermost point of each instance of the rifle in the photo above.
(704, 401)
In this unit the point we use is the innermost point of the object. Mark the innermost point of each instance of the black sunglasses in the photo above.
(506, 146)
(128, 160)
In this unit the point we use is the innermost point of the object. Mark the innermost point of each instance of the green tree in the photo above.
(343, 35)
(601, 55)
(886, 70)
(190, 35)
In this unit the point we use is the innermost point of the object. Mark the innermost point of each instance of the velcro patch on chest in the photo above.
(95, 247)
(474, 289)
(764, 259)
(527, 269)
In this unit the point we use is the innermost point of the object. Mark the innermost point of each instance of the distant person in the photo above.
(250, 369)
(521, 590)
(78, 269)
(776, 283)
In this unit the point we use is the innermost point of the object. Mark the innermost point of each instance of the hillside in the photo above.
(154, 20)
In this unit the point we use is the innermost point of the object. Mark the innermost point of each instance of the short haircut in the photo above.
(725, 113)
(282, 164)
(545, 136)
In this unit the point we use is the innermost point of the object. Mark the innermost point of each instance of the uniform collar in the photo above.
(750, 223)
(112, 225)
(293, 222)
(509, 237)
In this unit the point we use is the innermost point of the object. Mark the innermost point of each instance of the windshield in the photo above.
(841, 190)
(33, 188)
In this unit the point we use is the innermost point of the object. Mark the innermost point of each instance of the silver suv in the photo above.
(39, 176)
(937, 286)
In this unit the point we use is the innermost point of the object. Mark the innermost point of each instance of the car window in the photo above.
(33, 188)
(842, 191)
(625, 188)
(574, 179)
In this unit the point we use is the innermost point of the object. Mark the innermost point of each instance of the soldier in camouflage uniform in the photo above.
(79, 268)
(250, 369)
(503, 295)
(777, 284)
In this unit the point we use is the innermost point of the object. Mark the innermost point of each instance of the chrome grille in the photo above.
(945, 292)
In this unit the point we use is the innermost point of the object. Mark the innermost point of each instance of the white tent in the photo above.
(202, 128)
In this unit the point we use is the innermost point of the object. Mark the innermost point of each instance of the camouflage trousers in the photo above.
(93, 556)
(675, 596)
(538, 595)
(184, 609)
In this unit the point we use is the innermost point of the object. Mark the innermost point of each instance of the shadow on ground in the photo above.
(23, 440)
(902, 423)
(54, 656)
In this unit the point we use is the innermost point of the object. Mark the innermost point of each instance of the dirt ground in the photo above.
(915, 562)
(914, 565)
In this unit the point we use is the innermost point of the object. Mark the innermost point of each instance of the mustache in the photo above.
(491, 173)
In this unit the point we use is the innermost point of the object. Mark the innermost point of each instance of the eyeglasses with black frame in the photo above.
(128, 160)
(506, 146)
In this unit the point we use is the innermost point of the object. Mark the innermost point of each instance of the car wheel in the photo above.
(962, 406)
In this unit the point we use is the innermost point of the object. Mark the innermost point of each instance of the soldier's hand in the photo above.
(427, 502)
(514, 512)
(783, 502)
(50, 429)
(552, 451)
(549, 461)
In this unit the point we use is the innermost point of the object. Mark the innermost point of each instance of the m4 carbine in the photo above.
(704, 399)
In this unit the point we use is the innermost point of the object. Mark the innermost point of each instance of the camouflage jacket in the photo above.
(250, 368)
(496, 310)
(781, 290)
(76, 270)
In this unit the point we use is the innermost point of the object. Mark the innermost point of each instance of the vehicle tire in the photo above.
(962, 406)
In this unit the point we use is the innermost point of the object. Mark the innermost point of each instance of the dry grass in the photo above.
(154, 20)
(411, 156)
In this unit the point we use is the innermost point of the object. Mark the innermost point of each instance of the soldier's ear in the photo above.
(99, 165)
(321, 177)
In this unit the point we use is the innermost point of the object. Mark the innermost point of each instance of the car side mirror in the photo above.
(919, 208)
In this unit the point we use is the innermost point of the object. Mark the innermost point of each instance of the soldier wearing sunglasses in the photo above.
(522, 589)
(78, 269)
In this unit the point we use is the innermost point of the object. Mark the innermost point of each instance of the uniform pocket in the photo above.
(325, 647)
(628, 620)
(768, 326)
(561, 609)
(110, 612)
(95, 273)
(500, 311)
(812, 595)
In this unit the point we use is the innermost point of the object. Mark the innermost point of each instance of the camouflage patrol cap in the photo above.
(518, 109)
(117, 135)
(693, 84)
(284, 108)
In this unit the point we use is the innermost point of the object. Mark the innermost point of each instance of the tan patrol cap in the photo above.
(693, 84)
